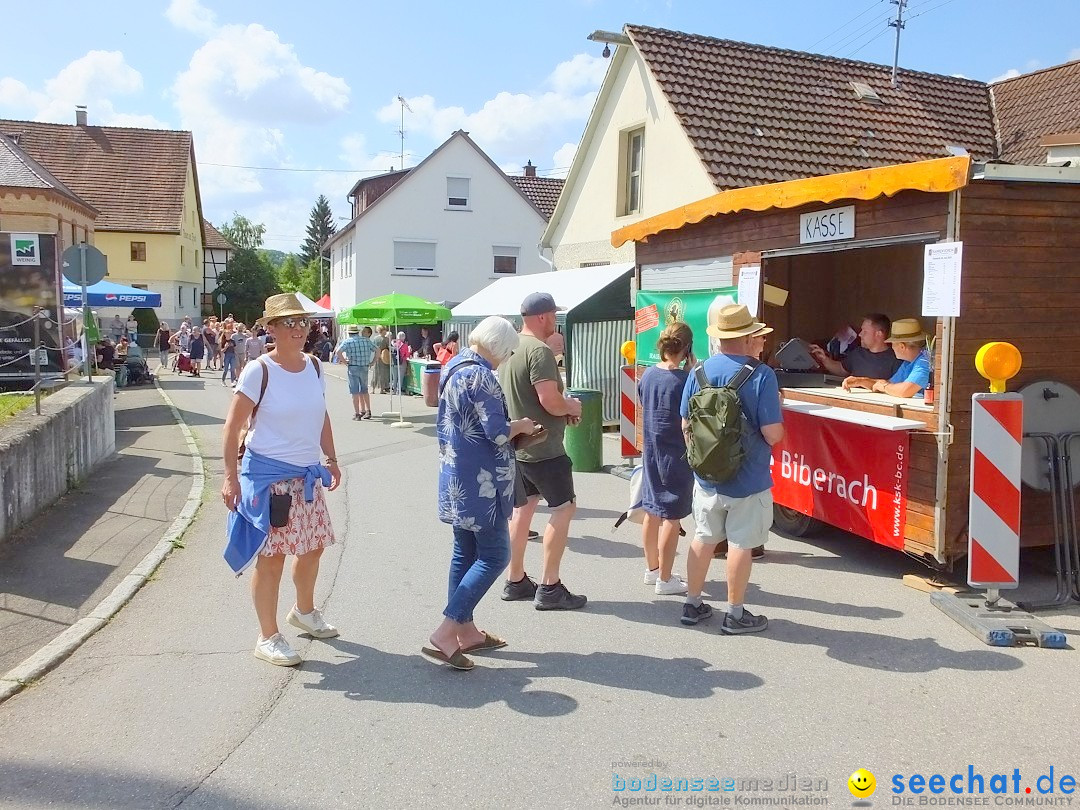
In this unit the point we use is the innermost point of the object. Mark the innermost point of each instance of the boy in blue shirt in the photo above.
(908, 341)
(739, 510)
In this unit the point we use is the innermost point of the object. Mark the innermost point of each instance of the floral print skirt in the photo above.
(309, 526)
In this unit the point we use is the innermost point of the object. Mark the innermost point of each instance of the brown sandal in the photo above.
(490, 642)
(457, 660)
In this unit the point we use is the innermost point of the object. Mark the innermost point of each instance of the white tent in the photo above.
(313, 308)
(569, 288)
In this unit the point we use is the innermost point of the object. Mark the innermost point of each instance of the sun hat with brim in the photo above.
(762, 332)
(907, 330)
(735, 321)
(353, 329)
(283, 305)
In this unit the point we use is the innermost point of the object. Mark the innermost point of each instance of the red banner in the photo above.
(850, 476)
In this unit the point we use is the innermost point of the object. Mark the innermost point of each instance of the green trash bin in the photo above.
(584, 441)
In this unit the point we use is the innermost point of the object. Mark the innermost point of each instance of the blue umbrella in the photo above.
(108, 294)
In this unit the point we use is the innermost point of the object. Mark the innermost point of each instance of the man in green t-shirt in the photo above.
(533, 387)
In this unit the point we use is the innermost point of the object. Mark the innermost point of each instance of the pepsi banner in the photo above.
(29, 278)
(108, 294)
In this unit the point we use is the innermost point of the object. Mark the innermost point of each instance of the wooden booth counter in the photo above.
(1020, 282)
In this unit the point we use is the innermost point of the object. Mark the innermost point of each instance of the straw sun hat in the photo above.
(907, 330)
(283, 305)
(735, 321)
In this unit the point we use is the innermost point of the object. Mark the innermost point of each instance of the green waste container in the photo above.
(584, 441)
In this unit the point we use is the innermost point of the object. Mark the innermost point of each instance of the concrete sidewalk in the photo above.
(56, 569)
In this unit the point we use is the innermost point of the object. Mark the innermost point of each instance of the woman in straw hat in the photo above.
(908, 341)
(276, 497)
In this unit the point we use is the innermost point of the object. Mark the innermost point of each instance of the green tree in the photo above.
(243, 233)
(290, 275)
(248, 282)
(309, 279)
(320, 228)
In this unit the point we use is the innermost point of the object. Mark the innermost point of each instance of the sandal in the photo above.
(490, 642)
(456, 661)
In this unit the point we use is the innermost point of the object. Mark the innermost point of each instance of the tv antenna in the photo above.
(404, 106)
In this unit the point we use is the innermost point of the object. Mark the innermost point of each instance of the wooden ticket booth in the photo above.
(896, 471)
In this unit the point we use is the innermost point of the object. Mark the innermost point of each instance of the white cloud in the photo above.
(516, 126)
(241, 89)
(1029, 66)
(1074, 54)
(1008, 74)
(94, 80)
(561, 160)
(190, 15)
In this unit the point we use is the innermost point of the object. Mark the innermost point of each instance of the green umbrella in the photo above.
(400, 310)
(397, 309)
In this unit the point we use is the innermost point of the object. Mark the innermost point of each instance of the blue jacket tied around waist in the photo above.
(249, 525)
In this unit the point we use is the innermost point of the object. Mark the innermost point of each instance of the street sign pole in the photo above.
(37, 360)
(221, 306)
(82, 276)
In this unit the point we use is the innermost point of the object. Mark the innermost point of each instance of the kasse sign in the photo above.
(827, 226)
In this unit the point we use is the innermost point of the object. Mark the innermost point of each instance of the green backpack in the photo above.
(714, 448)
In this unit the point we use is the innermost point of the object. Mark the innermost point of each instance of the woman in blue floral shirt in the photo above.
(476, 485)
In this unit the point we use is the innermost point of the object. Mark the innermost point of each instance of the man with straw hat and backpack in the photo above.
(731, 418)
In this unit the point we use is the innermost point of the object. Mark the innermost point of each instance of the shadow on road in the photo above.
(604, 547)
(365, 673)
(889, 653)
(34, 784)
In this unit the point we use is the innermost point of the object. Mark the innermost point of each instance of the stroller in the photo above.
(183, 363)
(138, 372)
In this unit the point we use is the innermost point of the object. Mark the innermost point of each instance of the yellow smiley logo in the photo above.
(861, 783)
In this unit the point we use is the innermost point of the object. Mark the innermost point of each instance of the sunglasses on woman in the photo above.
(292, 323)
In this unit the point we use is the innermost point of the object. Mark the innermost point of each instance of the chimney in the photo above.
(80, 115)
(530, 170)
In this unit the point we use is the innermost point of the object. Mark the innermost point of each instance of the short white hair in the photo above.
(496, 336)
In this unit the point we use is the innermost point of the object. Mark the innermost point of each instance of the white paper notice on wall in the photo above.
(941, 279)
(750, 287)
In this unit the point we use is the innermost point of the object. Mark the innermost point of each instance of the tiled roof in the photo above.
(762, 115)
(134, 177)
(19, 170)
(212, 238)
(543, 191)
(1034, 106)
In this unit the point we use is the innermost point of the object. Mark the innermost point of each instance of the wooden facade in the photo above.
(1021, 283)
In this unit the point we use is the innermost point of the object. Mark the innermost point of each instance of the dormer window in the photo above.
(457, 193)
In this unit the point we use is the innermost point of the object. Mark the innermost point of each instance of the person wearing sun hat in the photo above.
(357, 352)
(274, 493)
(738, 511)
(908, 341)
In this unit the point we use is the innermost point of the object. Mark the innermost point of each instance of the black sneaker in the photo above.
(556, 597)
(533, 535)
(519, 591)
(749, 623)
(693, 615)
(357, 417)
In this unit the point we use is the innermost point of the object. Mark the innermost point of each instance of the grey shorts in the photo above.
(743, 522)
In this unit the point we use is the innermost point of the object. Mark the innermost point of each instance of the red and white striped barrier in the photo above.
(628, 407)
(997, 433)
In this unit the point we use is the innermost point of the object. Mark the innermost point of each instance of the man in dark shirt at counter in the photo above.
(874, 358)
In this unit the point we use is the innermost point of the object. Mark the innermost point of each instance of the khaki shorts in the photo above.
(743, 522)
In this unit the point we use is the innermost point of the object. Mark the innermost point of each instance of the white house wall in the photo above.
(416, 209)
(672, 173)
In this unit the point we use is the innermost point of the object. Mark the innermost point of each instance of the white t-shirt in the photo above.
(289, 423)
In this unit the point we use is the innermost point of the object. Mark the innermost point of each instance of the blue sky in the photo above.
(294, 86)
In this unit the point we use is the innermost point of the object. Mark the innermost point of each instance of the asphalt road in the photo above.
(166, 707)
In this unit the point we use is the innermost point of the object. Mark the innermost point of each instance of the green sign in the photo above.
(656, 309)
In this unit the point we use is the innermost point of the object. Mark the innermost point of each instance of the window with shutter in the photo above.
(414, 257)
(457, 192)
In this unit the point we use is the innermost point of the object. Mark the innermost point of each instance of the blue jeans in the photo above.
(479, 559)
(228, 366)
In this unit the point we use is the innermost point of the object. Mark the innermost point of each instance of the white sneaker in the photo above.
(311, 623)
(652, 576)
(276, 650)
(672, 586)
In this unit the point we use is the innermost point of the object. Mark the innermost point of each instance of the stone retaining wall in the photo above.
(41, 457)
